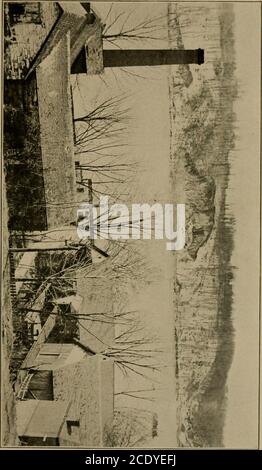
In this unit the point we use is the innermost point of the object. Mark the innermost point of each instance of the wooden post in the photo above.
(90, 191)
(90, 200)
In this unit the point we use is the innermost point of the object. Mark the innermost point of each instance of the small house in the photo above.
(68, 373)
(93, 309)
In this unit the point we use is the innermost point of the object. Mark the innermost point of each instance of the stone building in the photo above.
(42, 42)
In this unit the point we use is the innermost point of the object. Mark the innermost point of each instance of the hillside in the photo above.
(202, 136)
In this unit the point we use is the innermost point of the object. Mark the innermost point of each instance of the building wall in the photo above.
(24, 39)
(70, 435)
(97, 297)
(40, 386)
(107, 394)
(82, 384)
(34, 351)
(22, 156)
(51, 352)
(71, 21)
(89, 59)
(41, 418)
(55, 355)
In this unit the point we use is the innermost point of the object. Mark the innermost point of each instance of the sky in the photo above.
(148, 140)
(148, 144)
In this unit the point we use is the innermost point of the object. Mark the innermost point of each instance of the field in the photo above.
(202, 136)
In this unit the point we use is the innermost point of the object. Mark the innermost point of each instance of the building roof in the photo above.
(56, 134)
(35, 349)
(75, 8)
(54, 356)
(56, 121)
(32, 417)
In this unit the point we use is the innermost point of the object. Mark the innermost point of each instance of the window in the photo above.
(29, 12)
(71, 424)
(48, 358)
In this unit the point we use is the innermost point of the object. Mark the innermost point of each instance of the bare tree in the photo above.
(135, 349)
(121, 26)
(131, 427)
(100, 145)
(105, 121)
(61, 273)
(146, 394)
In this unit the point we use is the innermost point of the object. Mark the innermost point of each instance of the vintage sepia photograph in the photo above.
(130, 314)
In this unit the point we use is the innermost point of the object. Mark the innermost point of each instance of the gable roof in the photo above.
(32, 417)
(35, 349)
(56, 135)
(75, 8)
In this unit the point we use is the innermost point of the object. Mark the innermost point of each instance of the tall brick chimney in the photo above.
(136, 57)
